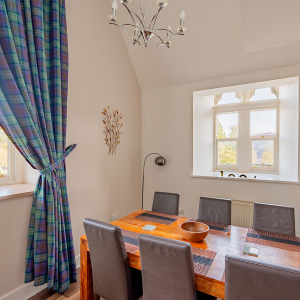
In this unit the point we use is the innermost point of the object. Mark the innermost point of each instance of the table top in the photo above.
(232, 244)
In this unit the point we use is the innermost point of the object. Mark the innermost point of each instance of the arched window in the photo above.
(264, 94)
(228, 98)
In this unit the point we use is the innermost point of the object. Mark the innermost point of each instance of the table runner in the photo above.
(156, 217)
(202, 259)
(214, 228)
(277, 240)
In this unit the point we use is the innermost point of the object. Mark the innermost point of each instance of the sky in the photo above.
(261, 121)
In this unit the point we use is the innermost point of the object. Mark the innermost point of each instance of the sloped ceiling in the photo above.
(270, 23)
(213, 46)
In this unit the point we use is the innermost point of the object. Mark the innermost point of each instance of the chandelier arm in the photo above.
(173, 33)
(161, 44)
(141, 10)
(129, 12)
(144, 15)
(138, 18)
(155, 17)
(153, 33)
(121, 26)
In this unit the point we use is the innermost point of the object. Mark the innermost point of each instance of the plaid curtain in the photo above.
(33, 109)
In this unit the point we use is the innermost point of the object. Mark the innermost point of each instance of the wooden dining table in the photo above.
(213, 283)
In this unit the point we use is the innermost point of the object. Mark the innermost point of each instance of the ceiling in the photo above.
(223, 38)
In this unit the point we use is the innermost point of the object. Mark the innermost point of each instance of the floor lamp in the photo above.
(159, 161)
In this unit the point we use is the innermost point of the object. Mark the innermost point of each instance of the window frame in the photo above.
(244, 139)
(217, 140)
(16, 167)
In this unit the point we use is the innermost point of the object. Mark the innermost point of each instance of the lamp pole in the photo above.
(159, 161)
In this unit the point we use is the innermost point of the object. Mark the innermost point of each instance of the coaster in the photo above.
(248, 250)
(149, 227)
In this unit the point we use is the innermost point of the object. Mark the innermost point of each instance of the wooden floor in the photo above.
(73, 293)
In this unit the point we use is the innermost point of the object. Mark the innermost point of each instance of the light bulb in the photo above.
(170, 28)
(137, 25)
(115, 4)
(182, 16)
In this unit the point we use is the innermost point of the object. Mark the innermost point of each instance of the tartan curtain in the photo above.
(33, 109)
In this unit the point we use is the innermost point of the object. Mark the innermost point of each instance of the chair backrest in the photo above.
(167, 203)
(215, 210)
(111, 272)
(254, 280)
(167, 269)
(274, 218)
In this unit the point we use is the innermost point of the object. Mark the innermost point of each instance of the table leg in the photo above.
(86, 277)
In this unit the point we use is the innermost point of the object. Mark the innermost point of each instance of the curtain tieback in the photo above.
(49, 169)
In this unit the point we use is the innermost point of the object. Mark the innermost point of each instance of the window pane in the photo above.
(227, 153)
(4, 152)
(262, 153)
(263, 122)
(227, 125)
(263, 94)
(228, 98)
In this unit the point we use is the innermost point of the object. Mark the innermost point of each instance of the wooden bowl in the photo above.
(194, 231)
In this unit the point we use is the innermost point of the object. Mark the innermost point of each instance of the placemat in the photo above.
(131, 241)
(202, 259)
(277, 240)
(214, 228)
(156, 217)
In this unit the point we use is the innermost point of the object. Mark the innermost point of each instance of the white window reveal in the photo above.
(254, 131)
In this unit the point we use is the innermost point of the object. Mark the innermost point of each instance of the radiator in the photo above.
(242, 213)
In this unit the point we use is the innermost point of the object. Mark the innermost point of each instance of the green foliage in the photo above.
(233, 131)
(221, 133)
(227, 153)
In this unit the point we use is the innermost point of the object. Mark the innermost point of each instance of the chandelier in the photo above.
(140, 28)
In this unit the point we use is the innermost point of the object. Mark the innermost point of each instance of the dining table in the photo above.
(210, 253)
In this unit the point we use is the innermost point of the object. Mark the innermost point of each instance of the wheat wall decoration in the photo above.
(112, 128)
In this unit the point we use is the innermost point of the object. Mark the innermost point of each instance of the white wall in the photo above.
(288, 130)
(167, 128)
(100, 74)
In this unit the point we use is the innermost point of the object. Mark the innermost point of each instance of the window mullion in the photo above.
(244, 141)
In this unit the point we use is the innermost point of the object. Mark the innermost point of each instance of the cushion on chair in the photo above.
(167, 203)
(254, 280)
(274, 218)
(215, 210)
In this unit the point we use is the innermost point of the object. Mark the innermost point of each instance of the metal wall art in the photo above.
(112, 126)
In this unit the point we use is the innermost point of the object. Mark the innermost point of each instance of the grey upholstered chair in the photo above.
(274, 218)
(167, 203)
(167, 269)
(215, 210)
(113, 279)
(254, 280)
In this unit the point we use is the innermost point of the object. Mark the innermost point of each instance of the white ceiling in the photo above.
(213, 46)
(270, 23)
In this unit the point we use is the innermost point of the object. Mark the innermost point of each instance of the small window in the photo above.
(4, 153)
(228, 98)
(263, 122)
(246, 139)
(263, 135)
(227, 134)
(11, 161)
(263, 94)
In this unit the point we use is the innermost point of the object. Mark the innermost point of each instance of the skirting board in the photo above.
(27, 290)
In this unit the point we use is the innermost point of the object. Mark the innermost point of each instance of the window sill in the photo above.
(16, 190)
(274, 178)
